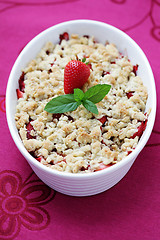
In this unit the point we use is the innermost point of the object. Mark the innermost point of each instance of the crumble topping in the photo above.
(81, 141)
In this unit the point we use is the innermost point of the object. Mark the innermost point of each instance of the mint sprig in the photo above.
(70, 102)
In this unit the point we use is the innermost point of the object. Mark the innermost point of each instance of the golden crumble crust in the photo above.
(78, 141)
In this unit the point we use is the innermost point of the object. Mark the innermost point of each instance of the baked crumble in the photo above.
(80, 141)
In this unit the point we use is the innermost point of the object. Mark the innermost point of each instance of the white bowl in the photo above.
(90, 183)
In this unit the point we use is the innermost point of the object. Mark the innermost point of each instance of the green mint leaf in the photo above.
(96, 93)
(70, 102)
(62, 104)
(90, 106)
(84, 59)
(78, 94)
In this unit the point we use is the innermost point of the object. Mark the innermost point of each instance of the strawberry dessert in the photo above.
(80, 105)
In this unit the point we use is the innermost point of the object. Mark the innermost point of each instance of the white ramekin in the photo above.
(90, 183)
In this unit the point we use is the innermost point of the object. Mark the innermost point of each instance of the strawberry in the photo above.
(140, 129)
(103, 166)
(19, 93)
(129, 152)
(135, 68)
(29, 128)
(76, 74)
(21, 82)
(105, 73)
(39, 158)
(129, 94)
(103, 119)
(57, 115)
(64, 36)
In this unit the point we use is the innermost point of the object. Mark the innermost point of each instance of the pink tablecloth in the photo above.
(28, 208)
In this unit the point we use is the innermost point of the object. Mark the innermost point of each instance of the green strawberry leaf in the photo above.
(83, 60)
(78, 94)
(90, 106)
(96, 93)
(62, 104)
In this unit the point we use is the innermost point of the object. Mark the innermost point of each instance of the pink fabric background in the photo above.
(28, 208)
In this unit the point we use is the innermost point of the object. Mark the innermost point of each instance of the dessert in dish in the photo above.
(81, 141)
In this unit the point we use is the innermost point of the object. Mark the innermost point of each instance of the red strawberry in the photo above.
(129, 94)
(39, 158)
(84, 168)
(57, 115)
(65, 36)
(140, 129)
(103, 166)
(76, 74)
(19, 93)
(29, 128)
(21, 82)
(105, 73)
(90, 66)
(103, 119)
(129, 152)
(135, 68)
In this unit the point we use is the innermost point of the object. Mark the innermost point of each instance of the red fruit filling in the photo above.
(70, 118)
(135, 68)
(64, 160)
(84, 168)
(39, 158)
(90, 66)
(50, 70)
(19, 93)
(57, 116)
(21, 82)
(140, 129)
(121, 54)
(105, 73)
(103, 166)
(129, 152)
(86, 36)
(95, 41)
(103, 120)
(29, 128)
(64, 36)
(129, 94)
